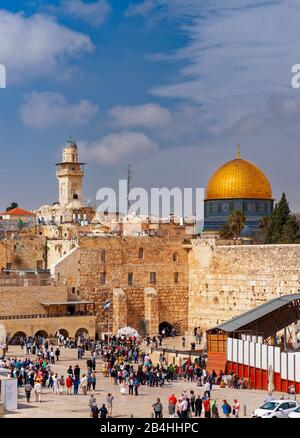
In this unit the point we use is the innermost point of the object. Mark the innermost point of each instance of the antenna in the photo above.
(129, 179)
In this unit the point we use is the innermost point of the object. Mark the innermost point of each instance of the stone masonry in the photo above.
(228, 280)
(132, 264)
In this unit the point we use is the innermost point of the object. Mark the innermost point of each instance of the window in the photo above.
(283, 406)
(130, 278)
(39, 264)
(152, 277)
(103, 256)
(176, 277)
(141, 253)
(103, 278)
(8, 265)
(175, 257)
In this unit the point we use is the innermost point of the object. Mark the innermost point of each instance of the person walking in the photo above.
(103, 412)
(206, 405)
(172, 406)
(28, 389)
(130, 385)
(38, 391)
(83, 384)
(214, 409)
(136, 385)
(207, 389)
(92, 403)
(94, 411)
(123, 388)
(226, 408)
(61, 385)
(55, 386)
(69, 384)
(158, 409)
(198, 406)
(192, 401)
(93, 381)
(109, 401)
(236, 408)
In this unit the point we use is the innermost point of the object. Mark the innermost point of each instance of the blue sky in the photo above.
(171, 86)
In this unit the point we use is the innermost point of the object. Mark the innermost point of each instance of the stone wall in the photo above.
(226, 281)
(122, 258)
(27, 300)
(23, 253)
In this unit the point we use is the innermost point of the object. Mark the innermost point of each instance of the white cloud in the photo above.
(116, 147)
(48, 109)
(148, 115)
(37, 45)
(234, 59)
(186, 8)
(93, 13)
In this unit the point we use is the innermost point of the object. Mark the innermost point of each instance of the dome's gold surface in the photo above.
(238, 178)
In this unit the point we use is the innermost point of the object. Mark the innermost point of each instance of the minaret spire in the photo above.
(238, 151)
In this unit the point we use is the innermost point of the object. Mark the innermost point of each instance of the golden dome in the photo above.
(238, 178)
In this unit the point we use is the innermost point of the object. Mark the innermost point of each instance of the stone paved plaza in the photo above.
(60, 406)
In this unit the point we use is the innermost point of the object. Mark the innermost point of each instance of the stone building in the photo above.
(32, 304)
(70, 207)
(144, 278)
(22, 251)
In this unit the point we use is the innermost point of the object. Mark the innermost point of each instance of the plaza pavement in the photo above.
(64, 406)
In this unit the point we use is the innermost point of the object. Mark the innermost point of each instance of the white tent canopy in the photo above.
(128, 331)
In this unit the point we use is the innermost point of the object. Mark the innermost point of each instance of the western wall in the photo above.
(227, 280)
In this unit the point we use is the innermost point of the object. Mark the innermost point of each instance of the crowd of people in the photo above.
(126, 363)
(187, 406)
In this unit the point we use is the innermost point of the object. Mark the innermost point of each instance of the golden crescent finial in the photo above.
(238, 151)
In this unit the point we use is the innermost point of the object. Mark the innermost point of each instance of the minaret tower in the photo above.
(70, 174)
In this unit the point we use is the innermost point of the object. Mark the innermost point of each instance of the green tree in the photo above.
(225, 232)
(236, 222)
(290, 231)
(12, 206)
(263, 229)
(279, 218)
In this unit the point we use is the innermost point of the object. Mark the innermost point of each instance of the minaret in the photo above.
(70, 174)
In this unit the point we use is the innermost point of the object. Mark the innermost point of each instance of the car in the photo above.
(295, 413)
(275, 409)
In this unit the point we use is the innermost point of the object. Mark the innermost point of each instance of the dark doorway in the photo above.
(167, 327)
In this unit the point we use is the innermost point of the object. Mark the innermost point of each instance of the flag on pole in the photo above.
(106, 305)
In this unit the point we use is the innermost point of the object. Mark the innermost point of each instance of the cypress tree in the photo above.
(290, 231)
(282, 227)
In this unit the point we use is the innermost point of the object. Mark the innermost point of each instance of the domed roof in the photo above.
(240, 179)
(70, 143)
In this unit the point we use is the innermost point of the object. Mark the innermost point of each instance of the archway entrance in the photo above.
(41, 334)
(166, 328)
(17, 338)
(82, 333)
(62, 332)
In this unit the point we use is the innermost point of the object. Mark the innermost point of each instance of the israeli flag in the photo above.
(106, 305)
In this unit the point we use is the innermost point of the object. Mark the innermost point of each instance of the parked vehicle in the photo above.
(275, 409)
(295, 413)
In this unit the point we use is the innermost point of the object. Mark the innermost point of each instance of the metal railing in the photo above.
(43, 315)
